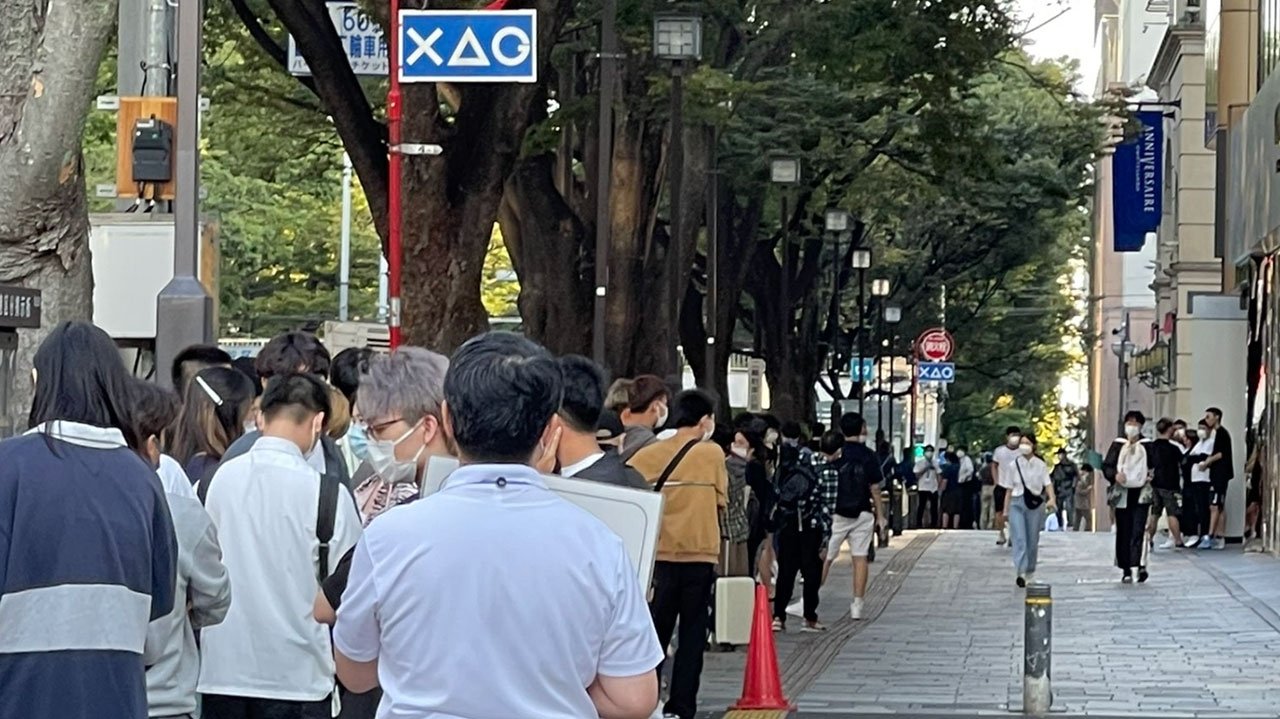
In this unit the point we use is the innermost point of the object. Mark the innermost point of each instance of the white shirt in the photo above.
(581, 465)
(1203, 447)
(1006, 473)
(926, 475)
(264, 505)
(1035, 474)
(494, 601)
(966, 469)
(174, 479)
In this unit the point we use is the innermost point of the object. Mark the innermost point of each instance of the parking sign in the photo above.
(469, 46)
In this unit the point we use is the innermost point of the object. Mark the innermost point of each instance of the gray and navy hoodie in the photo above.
(87, 560)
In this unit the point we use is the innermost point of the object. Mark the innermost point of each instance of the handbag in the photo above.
(1033, 501)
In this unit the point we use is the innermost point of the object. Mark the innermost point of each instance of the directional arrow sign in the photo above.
(468, 46)
(937, 372)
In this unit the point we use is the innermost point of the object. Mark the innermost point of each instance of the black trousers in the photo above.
(1131, 530)
(682, 591)
(929, 499)
(798, 551)
(972, 508)
(217, 706)
(1195, 509)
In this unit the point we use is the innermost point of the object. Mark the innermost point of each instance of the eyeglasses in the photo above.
(377, 429)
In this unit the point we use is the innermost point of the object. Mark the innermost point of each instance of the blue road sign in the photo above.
(468, 46)
(862, 371)
(937, 371)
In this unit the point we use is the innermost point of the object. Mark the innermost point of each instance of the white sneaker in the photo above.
(1168, 544)
(1220, 543)
(1191, 541)
(1031, 577)
(855, 609)
(796, 608)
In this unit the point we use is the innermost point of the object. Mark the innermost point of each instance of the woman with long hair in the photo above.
(86, 540)
(213, 416)
(1028, 500)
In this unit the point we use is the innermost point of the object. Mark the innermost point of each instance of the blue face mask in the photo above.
(358, 442)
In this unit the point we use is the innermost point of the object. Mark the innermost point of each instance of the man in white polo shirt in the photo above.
(494, 597)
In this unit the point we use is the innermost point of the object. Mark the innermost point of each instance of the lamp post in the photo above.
(861, 261)
(604, 172)
(713, 256)
(879, 290)
(837, 224)
(676, 39)
(892, 316)
(785, 172)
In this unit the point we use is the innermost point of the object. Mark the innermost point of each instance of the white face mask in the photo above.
(663, 413)
(1026, 450)
(382, 457)
(739, 451)
(1132, 431)
(1013, 440)
(960, 453)
(1202, 433)
(1180, 433)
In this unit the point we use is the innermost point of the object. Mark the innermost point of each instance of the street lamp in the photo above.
(880, 287)
(785, 171)
(836, 222)
(677, 39)
(892, 315)
(860, 260)
(879, 290)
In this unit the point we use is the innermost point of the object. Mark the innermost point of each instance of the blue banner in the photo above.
(1138, 183)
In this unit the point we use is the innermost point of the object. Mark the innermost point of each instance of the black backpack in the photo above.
(796, 479)
(853, 486)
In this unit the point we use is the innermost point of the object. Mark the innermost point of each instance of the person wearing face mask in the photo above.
(971, 489)
(1221, 468)
(1003, 473)
(1065, 474)
(344, 375)
(1028, 498)
(928, 473)
(578, 451)
(1198, 529)
(268, 657)
(690, 472)
(1129, 467)
(646, 413)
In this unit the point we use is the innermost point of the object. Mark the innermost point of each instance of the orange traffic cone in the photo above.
(761, 683)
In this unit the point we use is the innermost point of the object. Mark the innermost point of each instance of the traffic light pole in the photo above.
(394, 240)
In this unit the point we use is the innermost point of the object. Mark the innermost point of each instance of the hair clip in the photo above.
(209, 391)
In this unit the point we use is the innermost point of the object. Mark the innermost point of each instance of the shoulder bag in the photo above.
(675, 462)
(1033, 501)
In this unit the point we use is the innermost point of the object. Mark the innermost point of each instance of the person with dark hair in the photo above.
(1128, 468)
(1221, 468)
(87, 547)
(1065, 474)
(690, 472)
(1199, 489)
(298, 353)
(283, 529)
(345, 371)
(564, 628)
(793, 436)
(646, 413)
(1166, 458)
(174, 659)
(802, 521)
(951, 493)
(192, 360)
(246, 367)
(929, 483)
(578, 451)
(214, 415)
(156, 409)
(1005, 457)
(856, 507)
(1029, 497)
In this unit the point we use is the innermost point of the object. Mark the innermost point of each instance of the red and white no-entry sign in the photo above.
(935, 345)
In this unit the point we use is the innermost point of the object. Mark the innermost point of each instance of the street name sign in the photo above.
(469, 46)
(937, 372)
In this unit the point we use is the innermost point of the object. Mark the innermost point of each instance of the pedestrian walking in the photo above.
(563, 632)
(857, 506)
(1221, 473)
(1005, 457)
(1255, 472)
(283, 527)
(1166, 483)
(950, 491)
(1082, 520)
(577, 449)
(87, 547)
(928, 482)
(1129, 469)
(1028, 498)
(690, 472)
(1199, 532)
(802, 522)
(215, 411)
(646, 412)
(171, 654)
(1065, 475)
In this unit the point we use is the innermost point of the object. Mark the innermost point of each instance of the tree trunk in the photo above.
(49, 55)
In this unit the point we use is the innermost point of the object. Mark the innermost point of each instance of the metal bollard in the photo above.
(1037, 651)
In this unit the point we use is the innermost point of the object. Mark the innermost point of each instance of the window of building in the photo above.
(1268, 38)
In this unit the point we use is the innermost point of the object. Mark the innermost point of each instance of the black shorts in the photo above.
(953, 502)
(998, 496)
(1218, 498)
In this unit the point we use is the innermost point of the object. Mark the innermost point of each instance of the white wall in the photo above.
(1141, 34)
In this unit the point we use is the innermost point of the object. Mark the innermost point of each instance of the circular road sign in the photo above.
(935, 345)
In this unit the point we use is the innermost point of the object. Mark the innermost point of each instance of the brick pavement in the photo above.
(1201, 639)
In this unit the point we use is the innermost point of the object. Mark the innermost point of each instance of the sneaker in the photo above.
(1191, 541)
(1000, 540)
(1031, 578)
(1022, 582)
(1205, 543)
(1127, 578)
(1168, 544)
(796, 608)
(1142, 575)
(813, 627)
(855, 609)
(1220, 543)
(778, 626)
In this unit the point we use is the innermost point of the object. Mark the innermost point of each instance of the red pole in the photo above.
(394, 242)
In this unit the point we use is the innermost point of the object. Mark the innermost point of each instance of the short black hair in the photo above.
(300, 395)
(501, 390)
(154, 410)
(1216, 412)
(791, 429)
(1180, 423)
(743, 419)
(928, 448)
(245, 366)
(1012, 429)
(584, 386)
(80, 377)
(689, 407)
(1136, 416)
(191, 360)
(852, 424)
(292, 352)
(832, 441)
(345, 371)
(1164, 425)
(723, 436)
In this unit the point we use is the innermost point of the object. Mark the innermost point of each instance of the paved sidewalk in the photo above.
(1200, 639)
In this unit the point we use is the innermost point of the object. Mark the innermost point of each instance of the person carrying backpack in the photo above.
(801, 521)
(857, 506)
